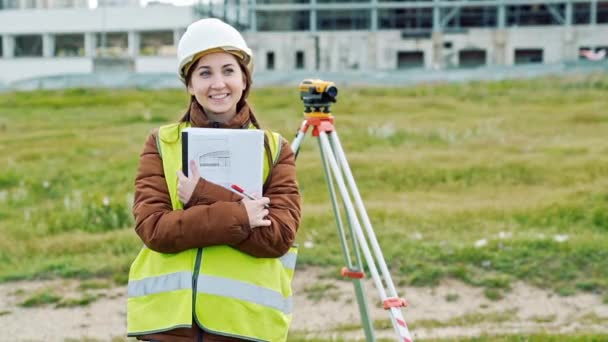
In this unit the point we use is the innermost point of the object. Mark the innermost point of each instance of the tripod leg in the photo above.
(357, 283)
(337, 147)
(396, 317)
(295, 145)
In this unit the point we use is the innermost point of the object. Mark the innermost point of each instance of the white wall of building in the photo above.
(23, 68)
(156, 64)
(333, 51)
(110, 19)
(357, 50)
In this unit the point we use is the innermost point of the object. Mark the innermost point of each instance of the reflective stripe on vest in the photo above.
(253, 294)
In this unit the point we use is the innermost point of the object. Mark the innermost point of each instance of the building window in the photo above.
(276, 2)
(334, 20)
(589, 53)
(69, 45)
(405, 18)
(473, 17)
(28, 46)
(410, 59)
(533, 15)
(269, 60)
(471, 58)
(525, 56)
(112, 44)
(283, 21)
(9, 4)
(581, 13)
(602, 12)
(300, 60)
(156, 43)
(28, 4)
(581, 55)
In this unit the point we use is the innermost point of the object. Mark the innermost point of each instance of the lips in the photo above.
(219, 96)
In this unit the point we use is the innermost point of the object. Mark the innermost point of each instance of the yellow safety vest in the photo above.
(226, 291)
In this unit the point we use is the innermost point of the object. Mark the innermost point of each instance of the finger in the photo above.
(194, 170)
(264, 212)
(265, 200)
(180, 176)
(265, 223)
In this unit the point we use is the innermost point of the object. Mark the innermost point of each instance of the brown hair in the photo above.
(242, 100)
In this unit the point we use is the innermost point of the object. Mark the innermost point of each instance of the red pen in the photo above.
(245, 193)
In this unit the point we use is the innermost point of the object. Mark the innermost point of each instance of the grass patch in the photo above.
(94, 284)
(594, 318)
(452, 297)
(543, 319)
(493, 294)
(84, 300)
(542, 337)
(467, 320)
(41, 298)
(320, 291)
(486, 182)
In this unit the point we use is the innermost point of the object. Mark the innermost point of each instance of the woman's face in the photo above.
(217, 83)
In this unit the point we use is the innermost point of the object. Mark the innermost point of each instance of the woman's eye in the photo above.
(228, 71)
(205, 73)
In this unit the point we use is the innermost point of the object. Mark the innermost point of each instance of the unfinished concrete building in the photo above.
(46, 37)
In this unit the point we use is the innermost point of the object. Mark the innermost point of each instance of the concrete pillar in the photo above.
(252, 17)
(313, 16)
(90, 44)
(177, 34)
(374, 18)
(593, 12)
(500, 50)
(437, 37)
(502, 15)
(8, 46)
(372, 52)
(436, 16)
(438, 60)
(133, 44)
(48, 45)
(569, 46)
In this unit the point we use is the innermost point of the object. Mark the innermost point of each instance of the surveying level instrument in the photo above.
(318, 96)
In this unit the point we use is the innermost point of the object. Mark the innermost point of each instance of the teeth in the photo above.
(219, 96)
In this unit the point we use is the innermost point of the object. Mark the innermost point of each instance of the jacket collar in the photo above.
(198, 118)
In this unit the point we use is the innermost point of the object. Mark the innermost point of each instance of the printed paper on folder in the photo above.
(226, 156)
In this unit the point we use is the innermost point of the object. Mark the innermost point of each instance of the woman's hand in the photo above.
(256, 211)
(186, 185)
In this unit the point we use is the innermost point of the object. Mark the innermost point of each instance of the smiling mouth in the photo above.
(218, 96)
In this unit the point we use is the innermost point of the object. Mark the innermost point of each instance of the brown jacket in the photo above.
(214, 215)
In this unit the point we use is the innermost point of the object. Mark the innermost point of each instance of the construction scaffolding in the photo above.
(419, 17)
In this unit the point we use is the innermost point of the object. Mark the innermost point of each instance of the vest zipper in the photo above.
(197, 265)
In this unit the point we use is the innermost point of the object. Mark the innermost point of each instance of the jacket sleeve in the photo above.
(284, 213)
(170, 231)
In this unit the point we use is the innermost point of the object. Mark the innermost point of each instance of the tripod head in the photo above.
(317, 94)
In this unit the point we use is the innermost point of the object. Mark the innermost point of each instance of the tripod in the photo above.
(335, 166)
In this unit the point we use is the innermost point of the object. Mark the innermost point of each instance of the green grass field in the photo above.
(484, 182)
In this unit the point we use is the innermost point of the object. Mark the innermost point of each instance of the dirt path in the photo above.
(323, 307)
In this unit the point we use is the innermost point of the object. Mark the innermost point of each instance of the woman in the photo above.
(215, 266)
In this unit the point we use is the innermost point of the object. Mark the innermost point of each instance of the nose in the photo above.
(218, 82)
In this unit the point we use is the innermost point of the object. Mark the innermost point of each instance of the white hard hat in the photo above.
(207, 35)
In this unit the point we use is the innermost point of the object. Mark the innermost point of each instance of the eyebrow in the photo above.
(208, 67)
